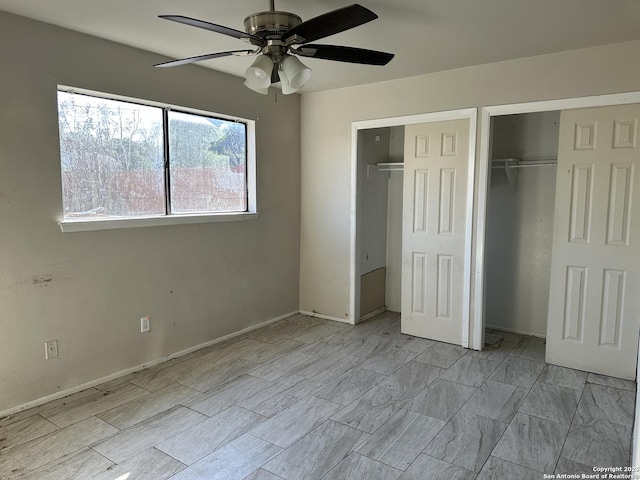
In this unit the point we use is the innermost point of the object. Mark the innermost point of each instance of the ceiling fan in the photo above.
(279, 37)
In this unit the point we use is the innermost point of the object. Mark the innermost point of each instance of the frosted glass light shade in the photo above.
(258, 75)
(296, 72)
(285, 85)
(262, 91)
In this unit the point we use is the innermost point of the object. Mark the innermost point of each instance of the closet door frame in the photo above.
(472, 115)
(484, 177)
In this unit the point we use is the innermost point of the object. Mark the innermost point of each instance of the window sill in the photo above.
(157, 221)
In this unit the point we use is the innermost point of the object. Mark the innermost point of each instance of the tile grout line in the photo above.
(508, 423)
(569, 429)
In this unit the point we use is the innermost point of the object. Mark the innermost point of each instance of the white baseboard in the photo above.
(326, 317)
(513, 330)
(122, 373)
(372, 314)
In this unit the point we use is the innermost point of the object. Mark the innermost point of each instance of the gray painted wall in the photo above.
(394, 222)
(393, 296)
(373, 199)
(197, 282)
(373, 148)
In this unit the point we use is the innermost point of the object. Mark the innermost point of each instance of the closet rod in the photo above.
(517, 163)
(521, 165)
(387, 167)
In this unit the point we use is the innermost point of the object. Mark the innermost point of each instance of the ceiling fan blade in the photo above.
(200, 58)
(214, 28)
(344, 54)
(330, 23)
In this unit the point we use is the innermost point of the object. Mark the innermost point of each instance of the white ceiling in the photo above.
(425, 35)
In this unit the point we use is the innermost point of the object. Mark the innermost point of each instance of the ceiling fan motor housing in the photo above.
(271, 26)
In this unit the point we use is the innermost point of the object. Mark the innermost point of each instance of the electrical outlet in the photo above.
(145, 324)
(50, 349)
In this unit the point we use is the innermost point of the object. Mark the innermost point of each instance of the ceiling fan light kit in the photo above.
(278, 36)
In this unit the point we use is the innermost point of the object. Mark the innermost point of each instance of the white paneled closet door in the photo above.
(433, 229)
(594, 302)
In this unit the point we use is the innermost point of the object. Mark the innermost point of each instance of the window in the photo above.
(124, 160)
(207, 163)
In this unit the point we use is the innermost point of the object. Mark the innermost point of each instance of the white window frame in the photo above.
(82, 225)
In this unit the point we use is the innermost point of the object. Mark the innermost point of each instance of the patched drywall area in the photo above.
(372, 288)
(520, 224)
(89, 290)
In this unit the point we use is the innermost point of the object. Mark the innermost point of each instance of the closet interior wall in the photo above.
(394, 222)
(379, 219)
(520, 224)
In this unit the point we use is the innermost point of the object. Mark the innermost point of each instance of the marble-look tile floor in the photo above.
(307, 399)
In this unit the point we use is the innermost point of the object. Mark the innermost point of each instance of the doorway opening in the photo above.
(572, 211)
(380, 175)
(375, 248)
(520, 215)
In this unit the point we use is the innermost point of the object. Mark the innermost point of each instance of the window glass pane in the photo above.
(207, 158)
(111, 155)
